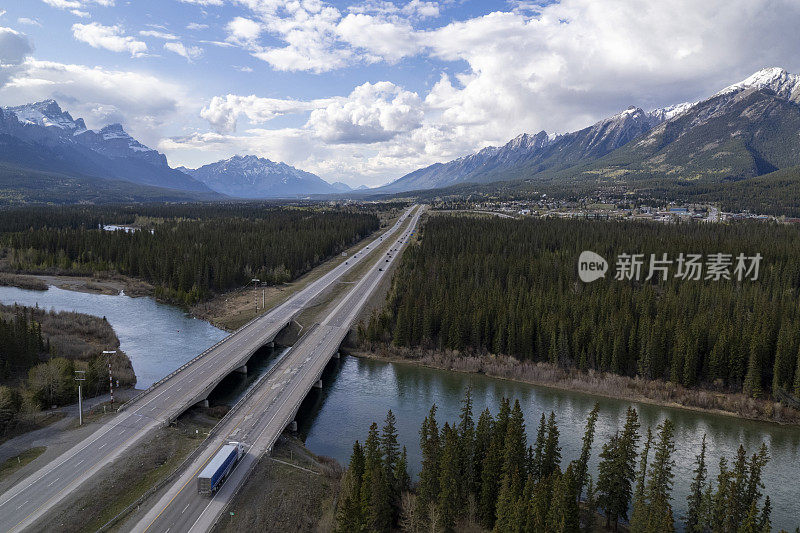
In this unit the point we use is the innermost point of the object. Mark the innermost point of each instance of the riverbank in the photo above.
(607, 385)
(100, 283)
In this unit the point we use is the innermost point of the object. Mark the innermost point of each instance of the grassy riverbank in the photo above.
(609, 385)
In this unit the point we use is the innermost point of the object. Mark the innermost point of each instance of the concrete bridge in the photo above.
(30, 499)
(263, 414)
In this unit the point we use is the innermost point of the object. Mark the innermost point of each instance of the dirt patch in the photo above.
(293, 490)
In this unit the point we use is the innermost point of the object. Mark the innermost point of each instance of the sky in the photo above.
(366, 91)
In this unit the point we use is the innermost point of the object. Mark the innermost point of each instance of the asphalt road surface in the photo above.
(261, 417)
(32, 497)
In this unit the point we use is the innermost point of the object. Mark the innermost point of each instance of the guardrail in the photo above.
(152, 387)
(200, 447)
(219, 343)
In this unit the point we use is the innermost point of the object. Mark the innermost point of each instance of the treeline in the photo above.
(511, 287)
(39, 354)
(220, 248)
(484, 476)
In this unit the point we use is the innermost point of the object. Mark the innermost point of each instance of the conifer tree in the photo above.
(350, 516)
(617, 470)
(428, 488)
(695, 499)
(551, 455)
(639, 516)
(586, 449)
(449, 478)
(659, 485)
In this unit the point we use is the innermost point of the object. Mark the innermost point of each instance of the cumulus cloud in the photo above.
(382, 39)
(371, 113)
(222, 113)
(189, 52)
(145, 104)
(243, 31)
(14, 48)
(108, 37)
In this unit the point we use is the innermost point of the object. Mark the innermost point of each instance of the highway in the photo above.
(32, 497)
(261, 417)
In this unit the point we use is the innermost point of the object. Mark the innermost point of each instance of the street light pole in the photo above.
(109, 353)
(255, 283)
(80, 376)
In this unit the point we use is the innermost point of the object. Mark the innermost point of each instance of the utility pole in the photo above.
(109, 353)
(80, 377)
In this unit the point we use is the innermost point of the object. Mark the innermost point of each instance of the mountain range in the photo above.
(42, 146)
(255, 177)
(747, 129)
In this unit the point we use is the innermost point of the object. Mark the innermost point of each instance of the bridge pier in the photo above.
(293, 425)
(270, 344)
(336, 355)
(202, 403)
(318, 384)
(241, 370)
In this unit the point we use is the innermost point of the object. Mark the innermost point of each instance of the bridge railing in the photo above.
(219, 343)
(200, 447)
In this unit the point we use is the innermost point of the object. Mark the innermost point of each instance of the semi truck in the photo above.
(218, 468)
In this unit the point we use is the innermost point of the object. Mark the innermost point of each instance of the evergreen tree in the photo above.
(449, 478)
(639, 516)
(659, 486)
(350, 516)
(695, 499)
(428, 488)
(551, 455)
(617, 470)
(466, 449)
(586, 449)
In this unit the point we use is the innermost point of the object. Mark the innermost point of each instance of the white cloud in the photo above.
(387, 40)
(14, 48)
(243, 31)
(194, 26)
(108, 37)
(371, 113)
(223, 112)
(159, 35)
(188, 52)
(28, 21)
(145, 104)
(77, 4)
(81, 14)
(204, 3)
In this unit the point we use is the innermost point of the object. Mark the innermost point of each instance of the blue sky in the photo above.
(366, 91)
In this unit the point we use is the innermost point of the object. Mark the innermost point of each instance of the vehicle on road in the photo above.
(218, 468)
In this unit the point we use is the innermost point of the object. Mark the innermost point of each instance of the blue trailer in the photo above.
(219, 467)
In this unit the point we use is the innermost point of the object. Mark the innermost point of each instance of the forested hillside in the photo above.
(498, 286)
(187, 252)
(484, 476)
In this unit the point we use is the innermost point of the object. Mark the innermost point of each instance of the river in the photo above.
(158, 338)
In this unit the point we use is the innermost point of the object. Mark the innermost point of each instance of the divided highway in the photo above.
(261, 417)
(32, 497)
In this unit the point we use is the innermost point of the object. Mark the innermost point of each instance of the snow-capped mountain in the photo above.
(47, 114)
(43, 137)
(546, 155)
(255, 177)
(539, 152)
(776, 79)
